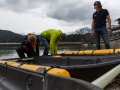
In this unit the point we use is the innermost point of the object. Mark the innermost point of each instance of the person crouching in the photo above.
(29, 45)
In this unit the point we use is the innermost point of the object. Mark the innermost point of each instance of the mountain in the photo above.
(9, 36)
(7, 33)
(87, 30)
(82, 31)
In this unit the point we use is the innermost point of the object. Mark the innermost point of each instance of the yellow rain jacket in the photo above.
(52, 35)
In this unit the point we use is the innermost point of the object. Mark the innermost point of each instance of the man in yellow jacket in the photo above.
(50, 39)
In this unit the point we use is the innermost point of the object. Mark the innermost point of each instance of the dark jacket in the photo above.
(29, 47)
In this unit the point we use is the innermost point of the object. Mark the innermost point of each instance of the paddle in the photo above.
(17, 60)
(105, 79)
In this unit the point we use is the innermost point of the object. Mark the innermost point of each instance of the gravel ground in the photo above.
(114, 85)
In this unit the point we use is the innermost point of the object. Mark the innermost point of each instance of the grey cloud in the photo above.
(23, 5)
(20, 6)
(70, 11)
(66, 10)
(78, 11)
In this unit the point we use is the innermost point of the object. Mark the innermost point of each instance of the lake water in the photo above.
(9, 50)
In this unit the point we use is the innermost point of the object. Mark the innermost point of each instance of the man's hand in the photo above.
(25, 47)
(91, 32)
(55, 52)
(109, 31)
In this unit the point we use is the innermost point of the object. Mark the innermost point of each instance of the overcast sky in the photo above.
(26, 16)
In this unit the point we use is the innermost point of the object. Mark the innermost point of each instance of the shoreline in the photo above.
(59, 43)
(71, 43)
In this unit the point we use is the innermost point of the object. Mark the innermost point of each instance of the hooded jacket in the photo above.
(53, 36)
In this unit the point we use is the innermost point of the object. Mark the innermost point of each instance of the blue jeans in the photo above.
(103, 32)
(45, 44)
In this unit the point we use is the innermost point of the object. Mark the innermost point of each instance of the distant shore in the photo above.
(59, 43)
(71, 43)
(9, 43)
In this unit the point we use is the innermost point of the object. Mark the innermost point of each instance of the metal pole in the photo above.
(105, 79)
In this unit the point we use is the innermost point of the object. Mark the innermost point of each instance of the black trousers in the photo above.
(21, 52)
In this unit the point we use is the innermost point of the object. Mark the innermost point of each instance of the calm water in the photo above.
(9, 50)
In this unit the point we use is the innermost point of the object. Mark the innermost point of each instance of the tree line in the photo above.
(11, 37)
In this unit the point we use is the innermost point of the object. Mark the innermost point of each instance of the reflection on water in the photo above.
(9, 50)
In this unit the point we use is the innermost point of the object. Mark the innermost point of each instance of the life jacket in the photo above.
(34, 45)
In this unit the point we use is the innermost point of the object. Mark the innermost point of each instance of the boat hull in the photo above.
(15, 78)
(87, 68)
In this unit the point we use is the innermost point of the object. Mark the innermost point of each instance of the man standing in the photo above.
(99, 25)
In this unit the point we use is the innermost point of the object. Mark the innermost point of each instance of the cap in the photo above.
(63, 36)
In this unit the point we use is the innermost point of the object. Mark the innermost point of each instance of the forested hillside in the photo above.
(9, 36)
